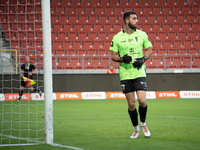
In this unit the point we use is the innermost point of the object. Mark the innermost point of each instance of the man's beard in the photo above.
(132, 26)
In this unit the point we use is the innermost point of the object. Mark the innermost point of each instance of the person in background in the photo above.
(111, 69)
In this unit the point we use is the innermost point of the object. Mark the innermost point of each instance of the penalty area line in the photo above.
(66, 146)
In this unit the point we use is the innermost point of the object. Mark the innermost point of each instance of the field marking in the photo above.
(66, 146)
(36, 142)
(58, 118)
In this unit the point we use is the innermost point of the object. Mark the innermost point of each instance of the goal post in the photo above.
(48, 104)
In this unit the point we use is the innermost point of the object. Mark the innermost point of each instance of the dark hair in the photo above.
(127, 14)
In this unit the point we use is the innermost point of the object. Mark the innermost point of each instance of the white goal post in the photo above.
(48, 104)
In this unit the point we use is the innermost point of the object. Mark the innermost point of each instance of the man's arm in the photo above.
(148, 52)
(114, 56)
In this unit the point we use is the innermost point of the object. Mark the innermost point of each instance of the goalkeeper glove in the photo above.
(139, 61)
(125, 59)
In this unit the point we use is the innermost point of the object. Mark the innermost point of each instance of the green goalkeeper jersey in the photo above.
(131, 44)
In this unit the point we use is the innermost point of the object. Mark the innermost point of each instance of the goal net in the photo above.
(21, 122)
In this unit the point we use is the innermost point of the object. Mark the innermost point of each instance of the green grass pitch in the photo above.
(105, 125)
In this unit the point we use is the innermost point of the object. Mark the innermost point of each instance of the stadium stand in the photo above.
(86, 28)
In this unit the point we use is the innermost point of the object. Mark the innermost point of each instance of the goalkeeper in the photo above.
(27, 70)
(127, 49)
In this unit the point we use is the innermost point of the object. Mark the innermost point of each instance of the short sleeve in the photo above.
(113, 46)
(23, 67)
(32, 66)
(147, 42)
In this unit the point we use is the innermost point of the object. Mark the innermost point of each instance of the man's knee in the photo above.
(142, 102)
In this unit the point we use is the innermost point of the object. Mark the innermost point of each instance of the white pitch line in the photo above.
(58, 118)
(37, 142)
(66, 146)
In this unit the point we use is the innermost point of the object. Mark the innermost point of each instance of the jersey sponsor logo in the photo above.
(131, 50)
(15, 96)
(167, 94)
(123, 41)
(112, 43)
(68, 95)
(129, 40)
(190, 94)
(136, 38)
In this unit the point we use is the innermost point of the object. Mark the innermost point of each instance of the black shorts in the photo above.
(133, 85)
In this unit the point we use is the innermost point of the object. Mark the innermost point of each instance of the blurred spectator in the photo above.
(111, 69)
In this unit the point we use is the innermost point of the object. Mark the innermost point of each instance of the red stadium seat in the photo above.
(182, 51)
(109, 10)
(195, 10)
(196, 44)
(82, 19)
(79, 10)
(82, 36)
(187, 44)
(172, 51)
(92, 36)
(62, 36)
(181, 35)
(162, 36)
(195, 27)
(97, 27)
(171, 35)
(87, 27)
(89, 9)
(196, 62)
(77, 27)
(157, 44)
(166, 27)
(118, 10)
(77, 44)
(128, 8)
(162, 51)
(60, 52)
(156, 27)
(93, 19)
(186, 27)
(70, 51)
(152, 36)
(191, 18)
(102, 51)
(87, 44)
(146, 27)
(193, 51)
(69, 10)
(167, 44)
(160, 19)
(170, 18)
(157, 10)
(167, 9)
(176, 27)
(102, 36)
(176, 9)
(99, 10)
(81, 51)
(178, 44)
(185, 9)
(71, 36)
(91, 51)
(191, 35)
(107, 27)
(98, 44)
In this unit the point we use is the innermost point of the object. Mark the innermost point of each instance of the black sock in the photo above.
(35, 89)
(134, 117)
(20, 93)
(143, 113)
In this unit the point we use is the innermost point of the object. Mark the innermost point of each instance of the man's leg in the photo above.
(20, 92)
(35, 89)
(133, 113)
(143, 111)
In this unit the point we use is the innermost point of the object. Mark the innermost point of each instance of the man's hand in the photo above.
(30, 73)
(125, 59)
(138, 62)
